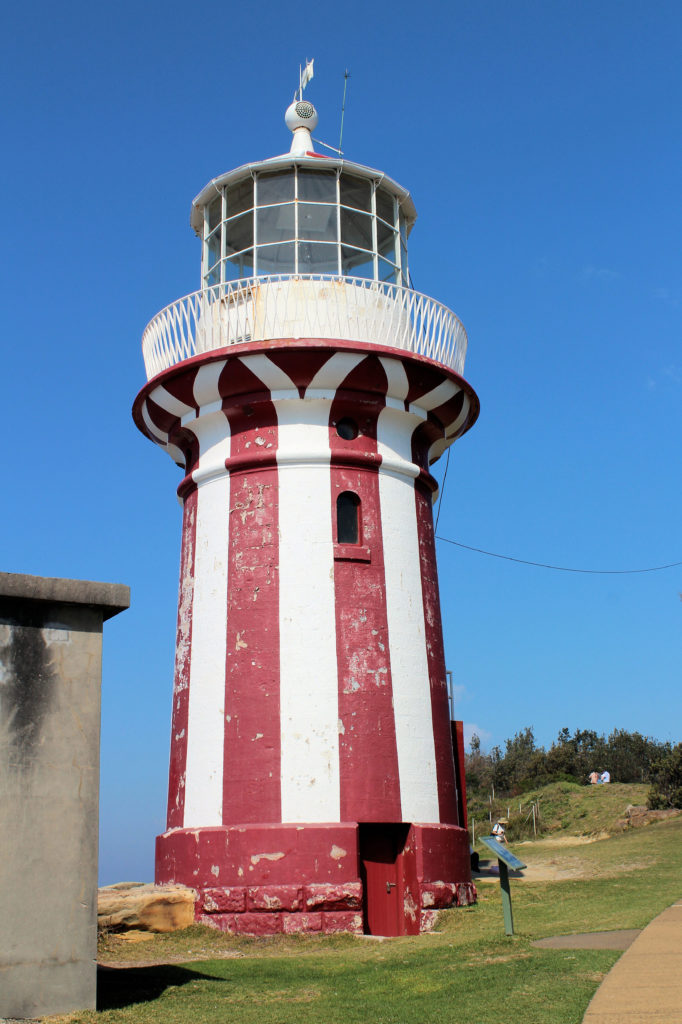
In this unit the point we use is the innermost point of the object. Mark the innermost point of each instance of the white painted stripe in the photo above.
(398, 384)
(406, 634)
(206, 382)
(330, 376)
(394, 433)
(159, 434)
(307, 620)
(272, 375)
(206, 712)
(176, 455)
(439, 446)
(169, 402)
(438, 396)
(459, 422)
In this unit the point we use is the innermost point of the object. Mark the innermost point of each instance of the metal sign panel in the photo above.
(502, 853)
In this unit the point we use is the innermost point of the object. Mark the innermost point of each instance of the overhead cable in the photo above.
(559, 568)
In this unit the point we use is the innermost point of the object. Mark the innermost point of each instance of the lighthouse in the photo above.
(305, 390)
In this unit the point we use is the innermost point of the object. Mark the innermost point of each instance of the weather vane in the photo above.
(304, 76)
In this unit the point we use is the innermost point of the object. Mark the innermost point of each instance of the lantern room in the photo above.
(303, 213)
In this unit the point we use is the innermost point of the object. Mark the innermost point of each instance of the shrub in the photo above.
(666, 776)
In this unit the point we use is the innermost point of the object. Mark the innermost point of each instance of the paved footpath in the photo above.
(645, 985)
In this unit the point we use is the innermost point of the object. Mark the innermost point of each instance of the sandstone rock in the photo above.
(638, 815)
(145, 907)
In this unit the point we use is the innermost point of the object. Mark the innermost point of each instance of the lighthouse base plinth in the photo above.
(265, 879)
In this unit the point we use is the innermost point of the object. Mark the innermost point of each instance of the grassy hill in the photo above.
(561, 807)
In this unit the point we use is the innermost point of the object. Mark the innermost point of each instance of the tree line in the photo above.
(628, 756)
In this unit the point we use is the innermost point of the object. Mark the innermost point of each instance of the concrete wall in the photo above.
(50, 681)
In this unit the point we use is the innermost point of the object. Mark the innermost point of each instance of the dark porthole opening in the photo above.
(348, 518)
(347, 429)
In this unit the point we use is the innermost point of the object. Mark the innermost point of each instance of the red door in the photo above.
(381, 849)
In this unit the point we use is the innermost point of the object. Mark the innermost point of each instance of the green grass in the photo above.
(565, 807)
(467, 972)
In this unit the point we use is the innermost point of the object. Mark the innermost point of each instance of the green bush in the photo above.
(666, 776)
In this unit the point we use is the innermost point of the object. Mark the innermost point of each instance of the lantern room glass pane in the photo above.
(356, 192)
(356, 229)
(385, 205)
(276, 259)
(239, 197)
(239, 266)
(386, 241)
(215, 212)
(317, 186)
(356, 263)
(239, 233)
(213, 246)
(388, 272)
(317, 223)
(403, 229)
(275, 188)
(275, 224)
(213, 276)
(318, 258)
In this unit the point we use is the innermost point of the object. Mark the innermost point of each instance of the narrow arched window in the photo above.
(348, 518)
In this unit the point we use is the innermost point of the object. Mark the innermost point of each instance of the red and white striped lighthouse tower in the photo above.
(304, 391)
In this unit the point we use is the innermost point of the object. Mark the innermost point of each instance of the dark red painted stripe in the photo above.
(369, 777)
(445, 766)
(252, 752)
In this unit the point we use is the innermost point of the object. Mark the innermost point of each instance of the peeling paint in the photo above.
(337, 852)
(215, 870)
(258, 857)
(342, 728)
(240, 644)
(409, 906)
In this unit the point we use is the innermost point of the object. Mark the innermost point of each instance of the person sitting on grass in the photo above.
(605, 777)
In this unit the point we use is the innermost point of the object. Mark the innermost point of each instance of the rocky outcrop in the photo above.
(637, 815)
(145, 907)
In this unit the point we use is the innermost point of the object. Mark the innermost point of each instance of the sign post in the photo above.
(505, 860)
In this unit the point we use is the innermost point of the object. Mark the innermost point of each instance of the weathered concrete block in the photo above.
(223, 900)
(436, 895)
(334, 897)
(257, 924)
(342, 921)
(275, 897)
(50, 678)
(294, 923)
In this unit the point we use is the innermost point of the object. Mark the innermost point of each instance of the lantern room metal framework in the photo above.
(305, 391)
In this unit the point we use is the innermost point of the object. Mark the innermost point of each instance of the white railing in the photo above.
(302, 306)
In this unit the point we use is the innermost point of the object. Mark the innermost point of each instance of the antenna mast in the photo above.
(346, 76)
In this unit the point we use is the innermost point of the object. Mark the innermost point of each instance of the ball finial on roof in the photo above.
(301, 114)
(301, 119)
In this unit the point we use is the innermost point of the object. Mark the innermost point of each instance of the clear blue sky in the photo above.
(541, 144)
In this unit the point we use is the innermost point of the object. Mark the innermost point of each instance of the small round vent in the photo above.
(301, 114)
(304, 109)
